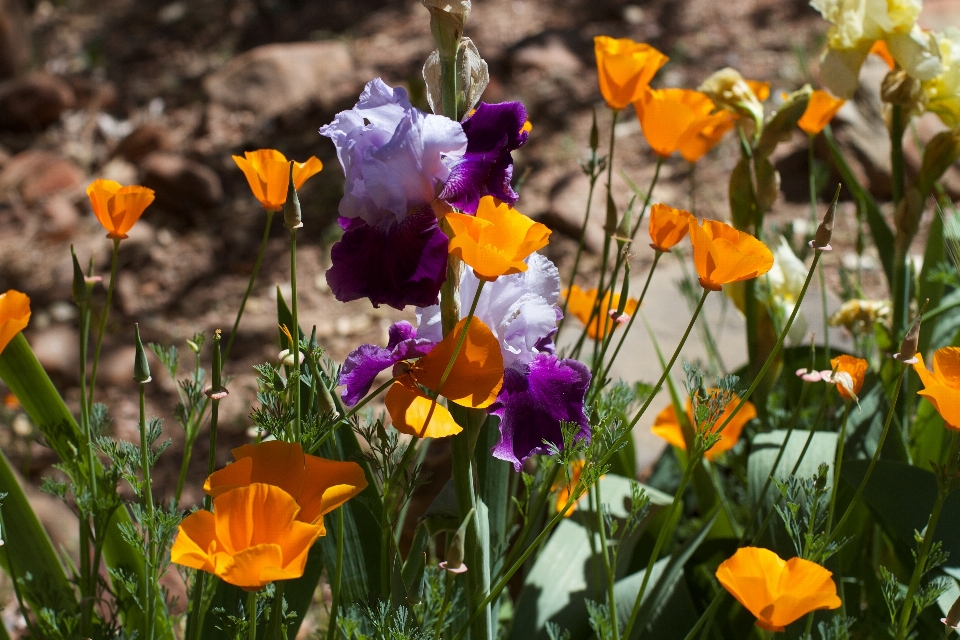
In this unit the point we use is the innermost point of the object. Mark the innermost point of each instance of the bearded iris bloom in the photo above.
(625, 69)
(777, 592)
(942, 386)
(667, 426)
(118, 208)
(268, 174)
(723, 254)
(14, 315)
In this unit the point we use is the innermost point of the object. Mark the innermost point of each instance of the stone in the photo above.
(40, 175)
(33, 102)
(181, 184)
(61, 217)
(14, 38)
(551, 57)
(143, 141)
(57, 347)
(278, 78)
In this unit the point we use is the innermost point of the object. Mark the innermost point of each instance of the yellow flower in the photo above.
(252, 537)
(625, 68)
(730, 91)
(118, 208)
(14, 315)
(820, 111)
(942, 93)
(777, 592)
(268, 174)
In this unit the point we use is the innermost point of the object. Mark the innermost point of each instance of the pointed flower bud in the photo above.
(900, 88)
(141, 368)
(821, 241)
(594, 133)
(292, 218)
(447, 19)
(908, 348)
(953, 616)
(473, 76)
(81, 290)
(454, 561)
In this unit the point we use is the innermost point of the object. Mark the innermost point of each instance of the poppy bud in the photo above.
(953, 616)
(821, 241)
(292, 218)
(81, 291)
(908, 348)
(938, 155)
(594, 133)
(141, 368)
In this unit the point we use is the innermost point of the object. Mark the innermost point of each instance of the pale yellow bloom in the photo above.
(942, 93)
(730, 91)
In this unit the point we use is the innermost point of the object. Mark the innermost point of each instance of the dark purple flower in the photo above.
(393, 263)
(534, 399)
(366, 361)
(493, 131)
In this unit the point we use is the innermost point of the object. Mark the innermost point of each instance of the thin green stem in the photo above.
(103, 319)
(609, 574)
(837, 465)
(447, 590)
(253, 280)
(461, 338)
(335, 584)
(534, 512)
(150, 517)
(582, 242)
(252, 615)
(813, 221)
(448, 86)
(646, 201)
(370, 396)
(707, 615)
(295, 332)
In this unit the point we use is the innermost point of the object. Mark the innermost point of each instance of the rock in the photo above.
(277, 78)
(181, 183)
(14, 42)
(39, 175)
(34, 102)
(551, 57)
(58, 349)
(143, 141)
(61, 217)
(116, 367)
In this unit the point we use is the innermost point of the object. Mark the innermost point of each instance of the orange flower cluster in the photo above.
(582, 303)
(268, 509)
(942, 386)
(667, 426)
(118, 208)
(14, 315)
(268, 173)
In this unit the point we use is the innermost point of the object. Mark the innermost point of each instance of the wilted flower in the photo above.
(268, 174)
(581, 304)
(820, 111)
(667, 426)
(847, 373)
(118, 208)
(317, 485)
(730, 91)
(942, 386)
(497, 240)
(625, 69)
(942, 93)
(668, 226)
(14, 315)
(671, 117)
(252, 537)
(859, 316)
(723, 254)
(777, 592)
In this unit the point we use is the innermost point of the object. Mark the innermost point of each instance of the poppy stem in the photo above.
(369, 397)
(813, 220)
(608, 572)
(335, 583)
(252, 615)
(253, 279)
(103, 320)
(646, 201)
(447, 589)
(150, 519)
(837, 465)
(295, 347)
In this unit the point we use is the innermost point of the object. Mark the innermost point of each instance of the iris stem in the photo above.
(253, 280)
(103, 319)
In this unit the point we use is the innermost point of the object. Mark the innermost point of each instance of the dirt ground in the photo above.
(162, 93)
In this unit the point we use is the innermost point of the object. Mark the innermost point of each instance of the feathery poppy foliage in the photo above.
(668, 226)
(625, 69)
(581, 303)
(942, 386)
(670, 118)
(251, 538)
(820, 111)
(268, 173)
(497, 240)
(777, 592)
(564, 488)
(667, 426)
(317, 485)
(723, 254)
(474, 381)
(14, 315)
(117, 207)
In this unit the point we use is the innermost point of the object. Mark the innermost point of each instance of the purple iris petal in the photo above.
(366, 361)
(533, 401)
(393, 263)
(493, 131)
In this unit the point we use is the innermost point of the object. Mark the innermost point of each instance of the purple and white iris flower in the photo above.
(398, 161)
(367, 361)
(539, 389)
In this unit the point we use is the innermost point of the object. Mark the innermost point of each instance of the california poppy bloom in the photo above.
(625, 68)
(670, 117)
(564, 488)
(694, 147)
(820, 111)
(723, 255)
(118, 208)
(317, 485)
(667, 426)
(252, 537)
(581, 303)
(14, 315)
(880, 50)
(942, 386)
(668, 226)
(777, 592)
(474, 381)
(268, 173)
(847, 373)
(497, 240)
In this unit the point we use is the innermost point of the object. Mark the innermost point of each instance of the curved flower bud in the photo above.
(118, 208)
(14, 315)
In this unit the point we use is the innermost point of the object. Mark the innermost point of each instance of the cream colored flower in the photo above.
(730, 91)
(942, 93)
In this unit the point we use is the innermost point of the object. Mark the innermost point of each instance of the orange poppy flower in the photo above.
(14, 315)
(847, 373)
(252, 537)
(118, 208)
(820, 111)
(694, 147)
(625, 68)
(942, 386)
(777, 592)
(723, 255)
(474, 381)
(671, 117)
(760, 89)
(268, 173)
(667, 426)
(497, 240)
(564, 489)
(318, 485)
(581, 303)
(668, 226)
(880, 49)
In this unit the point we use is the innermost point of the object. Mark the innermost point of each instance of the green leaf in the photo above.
(741, 202)
(782, 125)
(494, 484)
(299, 593)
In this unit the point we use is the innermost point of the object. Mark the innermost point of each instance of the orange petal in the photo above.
(625, 68)
(723, 254)
(820, 110)
(477, 374)
(668, 226)
(100, 193)
(752, 576)
(760, 89)
(277, 463)
(668, 427)
(711, 131)
(14, 315)
(416, 414)
(804, 587)
(303, 171)
(855, 367)
(581, 303)
(196, 542)
(946, 366)
(268, 173)
(880, 49)
(252, 515)
(731, 433)
(670, 116)
(254, 567)
(126, 207)
(327, 485)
